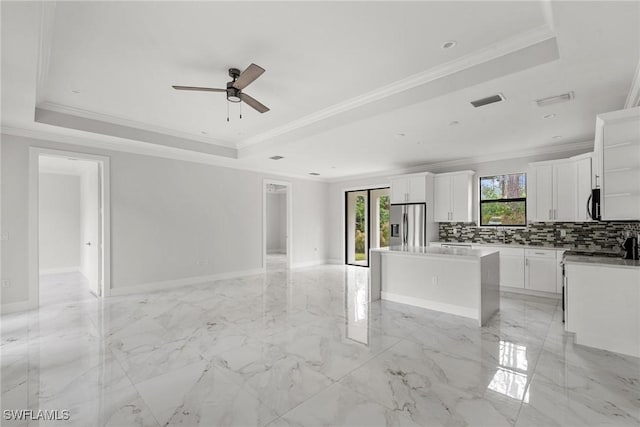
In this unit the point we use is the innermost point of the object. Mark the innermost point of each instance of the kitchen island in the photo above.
(460, 281)
(602, 302)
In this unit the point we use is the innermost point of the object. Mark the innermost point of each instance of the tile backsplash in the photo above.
(578, 235)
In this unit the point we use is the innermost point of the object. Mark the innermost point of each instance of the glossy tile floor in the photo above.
(303, 348)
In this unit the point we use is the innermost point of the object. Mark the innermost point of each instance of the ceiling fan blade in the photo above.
(252, 72)
(256, 105)
(201, 89)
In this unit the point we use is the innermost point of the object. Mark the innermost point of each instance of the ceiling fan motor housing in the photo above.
(233, 94)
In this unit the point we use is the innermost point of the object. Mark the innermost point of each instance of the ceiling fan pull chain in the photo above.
(241, 111)
(227, 111)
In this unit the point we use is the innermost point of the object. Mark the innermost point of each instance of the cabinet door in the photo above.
(442, 198)
(540, 274)
(583, 188)
(417, 189)
(512, 271)
(461, 197)
(564, 194)
(399, 190)
(544, 193)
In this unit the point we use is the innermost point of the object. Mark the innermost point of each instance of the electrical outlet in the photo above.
(563, 233)
(434, 280)
(6, 284)
(4, 235)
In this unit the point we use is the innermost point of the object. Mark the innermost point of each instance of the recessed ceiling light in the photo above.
(276, 157)
(449, 44)
(400, 134)
(203, 132)
(75, 91)
(549, 116)
(557, 136)
(454, 123)
(333, 167)
(314, 173)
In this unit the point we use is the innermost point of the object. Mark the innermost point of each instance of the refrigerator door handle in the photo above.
(588, 205)
(405, 231)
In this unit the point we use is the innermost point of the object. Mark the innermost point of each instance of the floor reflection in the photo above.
(357, 304)
(511, 377)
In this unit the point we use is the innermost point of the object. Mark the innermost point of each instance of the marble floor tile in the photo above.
(338, 406)
(302, 347)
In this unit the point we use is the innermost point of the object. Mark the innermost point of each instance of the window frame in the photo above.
(518, 199)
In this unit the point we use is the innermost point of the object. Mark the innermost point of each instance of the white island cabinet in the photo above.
(460, 281)
(602, 303)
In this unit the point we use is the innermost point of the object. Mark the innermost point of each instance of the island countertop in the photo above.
(436, 251)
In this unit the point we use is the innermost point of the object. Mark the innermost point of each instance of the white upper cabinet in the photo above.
(583, 186)
(564, 187)
(618, 157)
(453, 195)
(417, 188)
(552, 191)
(442, 198)
(543, 193)
(399, 189)
(409, 188)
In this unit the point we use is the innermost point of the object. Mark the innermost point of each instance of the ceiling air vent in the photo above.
(276, 157)
(488, 100)
(565, 97)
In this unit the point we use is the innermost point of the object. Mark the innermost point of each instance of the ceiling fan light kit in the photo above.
(234, 88)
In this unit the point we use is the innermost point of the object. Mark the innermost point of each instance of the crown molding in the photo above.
(502, 48)
(92, 115)
(633, 98)
(102, 142)
(466, 162)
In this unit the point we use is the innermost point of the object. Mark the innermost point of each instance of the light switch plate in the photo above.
(4, 236)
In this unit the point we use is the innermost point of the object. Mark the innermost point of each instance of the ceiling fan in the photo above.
(235, 87)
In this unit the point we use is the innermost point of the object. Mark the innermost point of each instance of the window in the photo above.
(503, 200)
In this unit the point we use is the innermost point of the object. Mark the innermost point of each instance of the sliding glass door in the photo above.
(367, 223)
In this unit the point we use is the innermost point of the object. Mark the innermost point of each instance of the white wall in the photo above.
(59, 222)
(170, 219)
(276, 223)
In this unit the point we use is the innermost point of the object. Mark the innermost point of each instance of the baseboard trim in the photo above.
(308, 263)
(177, 283)
(60, 270)
(335, 261)
(522, 291)
(13, 307)
(471, 313)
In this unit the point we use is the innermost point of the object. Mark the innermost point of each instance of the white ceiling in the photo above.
(342, 80)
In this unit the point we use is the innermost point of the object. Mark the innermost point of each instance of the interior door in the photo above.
(91, 242)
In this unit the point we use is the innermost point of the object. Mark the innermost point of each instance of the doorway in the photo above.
(367, 223)
(69, 255)
(276, 225)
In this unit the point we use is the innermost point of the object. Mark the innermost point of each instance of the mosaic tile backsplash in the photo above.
(579, 235)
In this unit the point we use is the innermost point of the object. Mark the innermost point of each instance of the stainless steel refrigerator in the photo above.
(408, 224)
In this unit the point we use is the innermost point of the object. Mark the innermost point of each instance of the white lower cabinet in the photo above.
(540, 270)
(511, 266)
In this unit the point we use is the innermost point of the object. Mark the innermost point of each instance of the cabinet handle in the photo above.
(550, 217)
(597, 185)
(526, 262)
